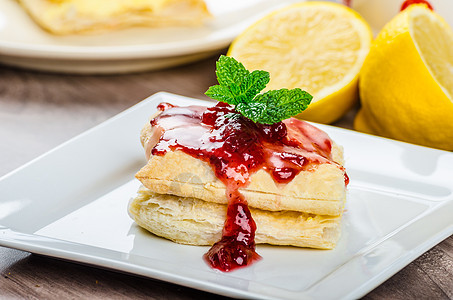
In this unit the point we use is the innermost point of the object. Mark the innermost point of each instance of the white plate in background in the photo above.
(71, 203)
(23, 43)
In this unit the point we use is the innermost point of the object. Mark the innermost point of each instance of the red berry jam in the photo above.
(407, 3)
(236, 147)
(237, 247)
(164, 106)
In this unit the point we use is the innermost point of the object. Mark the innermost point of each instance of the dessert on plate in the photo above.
(240, 172)
(89, 16)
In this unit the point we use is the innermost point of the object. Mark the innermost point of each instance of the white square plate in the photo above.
(71, 203)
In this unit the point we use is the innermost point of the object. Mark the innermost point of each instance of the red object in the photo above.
(407, 3)
(236, 147)
(164, 106)
(347, 3)
(237, 247)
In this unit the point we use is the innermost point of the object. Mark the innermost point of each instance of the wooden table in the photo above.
(38, 111)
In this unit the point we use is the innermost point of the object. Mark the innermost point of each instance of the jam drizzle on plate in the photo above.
(236, 147)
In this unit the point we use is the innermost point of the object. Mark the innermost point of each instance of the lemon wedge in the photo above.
(406, 84)
(316, 46)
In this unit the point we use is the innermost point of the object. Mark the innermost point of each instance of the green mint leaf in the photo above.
(236, 83)
(229, 71)
(253, 84)
(254, 111)
(238, 87)
(220, 93)
(277, 105)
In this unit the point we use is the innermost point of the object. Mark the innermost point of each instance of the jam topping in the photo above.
(236, 147)
(237, 246)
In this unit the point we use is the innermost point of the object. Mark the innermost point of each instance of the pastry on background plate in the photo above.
(91, 16)
(240, 172)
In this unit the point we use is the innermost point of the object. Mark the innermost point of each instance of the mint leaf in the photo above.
(237, 86)
(254, 111)
(229, 71)
(221, 93)
(253, 83)
(275, 106)
(236, 83)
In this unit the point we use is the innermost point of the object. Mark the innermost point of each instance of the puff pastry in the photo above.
(197, 222)
(192, 182)
(82, 16)
(320, 191)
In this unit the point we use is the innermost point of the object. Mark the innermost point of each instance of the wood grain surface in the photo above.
(38, 111)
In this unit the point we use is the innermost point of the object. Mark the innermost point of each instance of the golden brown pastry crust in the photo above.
(321, 191)
(197, 222)
(89, 16)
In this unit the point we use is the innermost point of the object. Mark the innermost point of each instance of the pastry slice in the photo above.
(88, 16)
(204, 162)
(240, 172)
(196, 222)
(316, 189)
(215, 177)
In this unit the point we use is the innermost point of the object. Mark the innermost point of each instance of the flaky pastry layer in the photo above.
(77, 16)
(197, 222)
(321, 191)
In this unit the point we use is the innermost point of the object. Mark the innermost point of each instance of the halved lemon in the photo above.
(316, 46)
(406, 84)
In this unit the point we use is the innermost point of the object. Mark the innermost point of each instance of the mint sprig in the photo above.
(240, 87)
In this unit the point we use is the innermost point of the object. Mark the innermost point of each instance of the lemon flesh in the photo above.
(316, 46)
(435, 45)
(406, 84)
